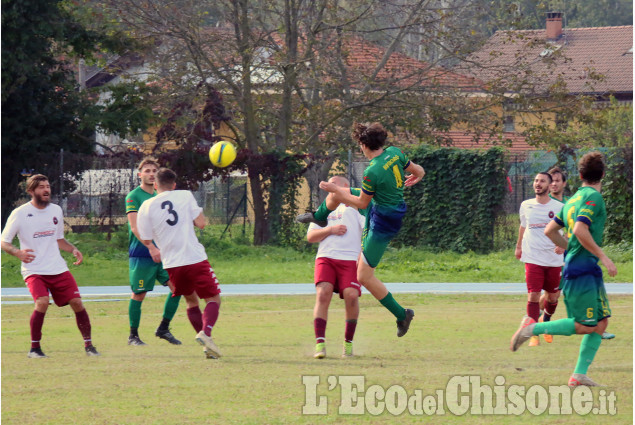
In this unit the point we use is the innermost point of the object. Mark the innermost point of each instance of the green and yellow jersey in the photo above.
(133, 202)
(586, 206)
(384, 177)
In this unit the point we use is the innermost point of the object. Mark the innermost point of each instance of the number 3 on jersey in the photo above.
(171, 211)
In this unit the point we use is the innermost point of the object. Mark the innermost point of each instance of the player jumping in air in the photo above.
(382, 194)
(583, 217)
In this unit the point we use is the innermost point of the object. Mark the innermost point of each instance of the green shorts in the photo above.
(382, 224)
(144, 272)
(586, 300)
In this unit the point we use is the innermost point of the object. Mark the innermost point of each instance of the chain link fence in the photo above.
(95, 198)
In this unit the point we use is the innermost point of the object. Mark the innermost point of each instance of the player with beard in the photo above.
(542, 259)
(582, 217)
(39, 226)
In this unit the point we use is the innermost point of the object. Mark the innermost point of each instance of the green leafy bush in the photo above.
(456, 204)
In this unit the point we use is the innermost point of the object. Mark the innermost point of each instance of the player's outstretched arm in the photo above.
(582, 233)
(343, 195)
(417, 173)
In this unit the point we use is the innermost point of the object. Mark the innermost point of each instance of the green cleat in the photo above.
(320, 350)
(348, 349)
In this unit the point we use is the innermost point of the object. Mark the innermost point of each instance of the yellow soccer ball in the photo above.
(222, 154)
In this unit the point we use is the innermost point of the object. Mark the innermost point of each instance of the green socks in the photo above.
(588, 348)
(134, 313)
(170, 307)
(393, 306)
(322, 213)
(555, 327)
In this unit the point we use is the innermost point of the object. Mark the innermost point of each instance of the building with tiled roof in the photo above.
(594, 61)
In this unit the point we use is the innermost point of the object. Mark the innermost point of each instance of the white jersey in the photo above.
(537, 247)
(168, 219)
(39, 230)
(346, 246)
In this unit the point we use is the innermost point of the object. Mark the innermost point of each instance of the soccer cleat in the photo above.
(523, 333)
(548, 338)
(307, 218)
(209, 354)
(607, 335)
(403, 325)
(91, 351)
(135, 340)
(167, 335)
(212, 350)
(320, 350)
(348, 349)
(534, 341)
(580, 379)
(36, 353)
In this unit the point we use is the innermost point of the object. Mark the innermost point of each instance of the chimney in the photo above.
(554, 25)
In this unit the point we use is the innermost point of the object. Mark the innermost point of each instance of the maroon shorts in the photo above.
(542, 277)
(199, 278)
(62, 287)
(341, 274)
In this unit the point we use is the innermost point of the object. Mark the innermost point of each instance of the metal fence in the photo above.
(96, 197)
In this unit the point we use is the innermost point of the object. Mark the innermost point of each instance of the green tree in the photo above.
(43, 109)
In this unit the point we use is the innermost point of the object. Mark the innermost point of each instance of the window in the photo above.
(508, 123)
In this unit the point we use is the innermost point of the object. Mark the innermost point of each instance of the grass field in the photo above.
(268, 343)
(106, 264)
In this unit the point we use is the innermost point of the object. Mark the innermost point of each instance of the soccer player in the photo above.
(336, 270)
(543, 260)
(39, 226)
(169, 219)
(583, 218)
(143, 271)
(558, 184)
(556, 189)
(382, 193)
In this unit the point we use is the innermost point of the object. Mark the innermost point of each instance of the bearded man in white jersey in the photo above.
(39, 226)
(543, 260)
(168, 219)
